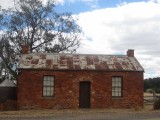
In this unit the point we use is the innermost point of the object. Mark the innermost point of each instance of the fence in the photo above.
(149, 100)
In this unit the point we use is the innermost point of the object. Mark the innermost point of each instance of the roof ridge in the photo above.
(74, 54)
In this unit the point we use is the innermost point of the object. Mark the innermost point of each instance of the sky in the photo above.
(114, 26)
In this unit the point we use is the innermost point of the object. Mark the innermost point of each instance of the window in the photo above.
(48, 86)
(116, 86)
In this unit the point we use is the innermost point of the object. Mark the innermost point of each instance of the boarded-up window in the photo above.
(48, 86)
(116, 86)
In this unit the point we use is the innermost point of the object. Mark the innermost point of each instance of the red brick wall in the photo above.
(66, 93)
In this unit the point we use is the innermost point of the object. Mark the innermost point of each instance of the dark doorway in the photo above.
(84, 94)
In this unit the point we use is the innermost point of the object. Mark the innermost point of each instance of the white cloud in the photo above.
(6, 3)
(128, 26)
(156, 1)
(58, 1)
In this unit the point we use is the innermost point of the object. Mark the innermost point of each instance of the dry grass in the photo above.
(26, 113)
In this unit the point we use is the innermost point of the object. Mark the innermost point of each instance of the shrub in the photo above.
(150, 91)
(156, 104)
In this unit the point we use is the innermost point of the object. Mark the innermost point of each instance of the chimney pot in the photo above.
(130, 53)
(25, 49)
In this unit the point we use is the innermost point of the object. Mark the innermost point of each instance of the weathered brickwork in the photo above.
(66, 93)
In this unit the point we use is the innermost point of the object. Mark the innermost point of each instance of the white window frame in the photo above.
(48, 86)
(117, 86)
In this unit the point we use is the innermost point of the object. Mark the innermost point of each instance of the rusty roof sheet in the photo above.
(79, 62)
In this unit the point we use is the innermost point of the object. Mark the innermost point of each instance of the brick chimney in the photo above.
(130, 53)
(25, 49)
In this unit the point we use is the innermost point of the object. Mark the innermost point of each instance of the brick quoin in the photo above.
(66, 93)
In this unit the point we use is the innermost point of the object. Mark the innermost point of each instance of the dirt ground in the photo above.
(83, 114)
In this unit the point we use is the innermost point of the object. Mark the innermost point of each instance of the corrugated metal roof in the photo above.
(79, 62)
(7, 83)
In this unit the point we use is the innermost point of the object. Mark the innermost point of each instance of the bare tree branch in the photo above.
(38, 25)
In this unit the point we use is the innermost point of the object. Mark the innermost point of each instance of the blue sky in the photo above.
(114, 26)
(78, 6)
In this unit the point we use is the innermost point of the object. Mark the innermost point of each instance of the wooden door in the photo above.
(84, 95)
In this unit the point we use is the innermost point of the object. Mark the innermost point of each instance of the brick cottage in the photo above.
(48, 81)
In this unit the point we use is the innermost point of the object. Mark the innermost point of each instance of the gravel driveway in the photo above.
(81, 115)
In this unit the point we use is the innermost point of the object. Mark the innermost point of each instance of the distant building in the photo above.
(8, 95)
(48, 81)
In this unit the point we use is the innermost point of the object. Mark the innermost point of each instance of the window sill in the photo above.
(48, 98)
(117, 98)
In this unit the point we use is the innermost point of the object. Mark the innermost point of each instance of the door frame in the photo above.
(88, 94)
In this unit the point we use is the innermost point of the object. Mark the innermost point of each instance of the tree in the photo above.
(38, 25)
(152, 83)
